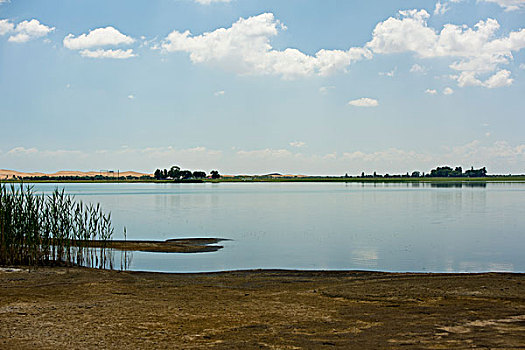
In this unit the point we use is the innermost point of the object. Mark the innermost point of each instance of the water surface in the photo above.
(366, 226)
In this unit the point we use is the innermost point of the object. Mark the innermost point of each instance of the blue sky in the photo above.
(310, 87)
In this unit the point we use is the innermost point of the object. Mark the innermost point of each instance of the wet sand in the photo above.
(81, 308)
(178, 245)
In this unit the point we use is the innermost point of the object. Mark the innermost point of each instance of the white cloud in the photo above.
(101, 53)
(245, 49)
(431, 91)
(498, 157)
(219, 93)
(509, 5)
(207, 2)
(324, 90)
(448, 91)
(131, 97)
(364, 102)
(99, 37)
(22, 151)
(389, 155)
(441, 8)
(478, 49)
(389, 74)
(24, 31)
(499, 79)
(416, 68)
(92, 45)
(6, 26)
(522, 66)
(298, 144)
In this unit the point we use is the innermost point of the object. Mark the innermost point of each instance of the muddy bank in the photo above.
(82, 308)
(179, 245)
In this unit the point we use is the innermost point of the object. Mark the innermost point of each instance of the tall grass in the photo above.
(51, 229)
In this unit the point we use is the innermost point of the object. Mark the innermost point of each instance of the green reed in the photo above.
(51, 229)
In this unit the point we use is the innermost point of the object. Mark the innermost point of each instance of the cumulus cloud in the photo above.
(499, 79)
(431, 91)
(448, 91)
(389, 74)
(219, 93)
(109, 53)
(6, 26)
(499, 156)
(508, 5)
(245, 48)
(477, 49)
(94, 43)
(441, 8)
(24, 31)
(364, 102)
(298, 144)
(99, 37)
(416, 68)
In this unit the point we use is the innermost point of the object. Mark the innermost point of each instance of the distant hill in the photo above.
(9, 174)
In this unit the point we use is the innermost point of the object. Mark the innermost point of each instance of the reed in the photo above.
(51, 229)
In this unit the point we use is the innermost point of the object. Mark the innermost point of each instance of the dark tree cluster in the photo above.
(444, 171)
(447, 171)
(175, 173)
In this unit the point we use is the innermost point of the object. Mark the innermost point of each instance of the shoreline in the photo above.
(86, 308)
(436, 180)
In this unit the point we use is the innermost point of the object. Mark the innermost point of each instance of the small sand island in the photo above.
(178, 245)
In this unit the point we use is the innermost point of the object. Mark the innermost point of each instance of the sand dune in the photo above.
(9, 174)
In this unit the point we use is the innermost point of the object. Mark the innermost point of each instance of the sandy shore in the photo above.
(178, 245)
(80, 308)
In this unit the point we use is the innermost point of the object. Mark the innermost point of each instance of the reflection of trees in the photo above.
(480, 184)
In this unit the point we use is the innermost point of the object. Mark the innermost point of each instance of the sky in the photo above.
(316, 87)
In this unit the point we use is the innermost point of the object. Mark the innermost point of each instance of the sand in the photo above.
(8, 174)
(80, 308)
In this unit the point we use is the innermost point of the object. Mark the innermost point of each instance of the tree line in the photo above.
(444, 171)
(175, 173)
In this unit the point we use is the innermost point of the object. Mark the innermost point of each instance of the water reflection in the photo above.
(458, 184)
(418, 226)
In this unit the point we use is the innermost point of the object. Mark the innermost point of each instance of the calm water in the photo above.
(389, 227)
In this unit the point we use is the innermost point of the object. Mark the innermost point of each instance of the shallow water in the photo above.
(388, 227)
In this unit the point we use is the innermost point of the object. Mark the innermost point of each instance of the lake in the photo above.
(427, 227)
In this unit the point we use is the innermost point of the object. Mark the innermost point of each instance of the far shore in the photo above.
(305, 179)
(81, 308)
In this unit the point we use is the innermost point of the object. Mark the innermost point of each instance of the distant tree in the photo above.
(165, 174)
(215, 174)
(363, 174)
(346, 175)
(158, 174)
(174, 172)
(441, 171)
(185, 174)
(415, 174)
(199, 174)
(476, 172)
(375, 174)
